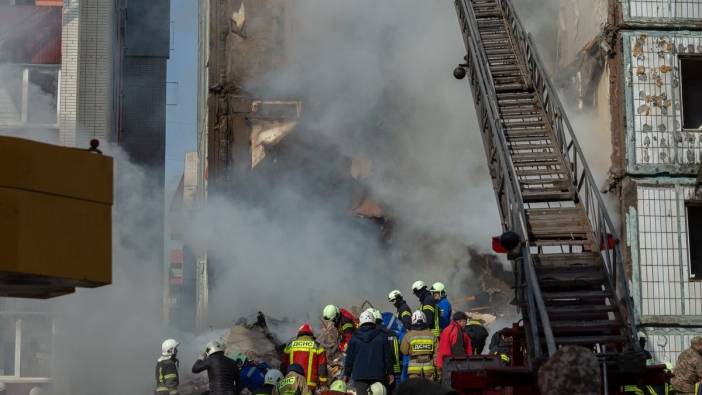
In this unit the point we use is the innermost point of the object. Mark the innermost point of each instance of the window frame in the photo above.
(681, 58)
(697, 204)
(16, 377)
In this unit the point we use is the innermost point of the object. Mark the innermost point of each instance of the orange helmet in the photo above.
(305, 329)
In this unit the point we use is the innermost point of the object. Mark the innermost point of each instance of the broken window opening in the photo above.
(694, 238)
(691, 91)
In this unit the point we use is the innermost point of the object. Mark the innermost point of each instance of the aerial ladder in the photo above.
(571, 287)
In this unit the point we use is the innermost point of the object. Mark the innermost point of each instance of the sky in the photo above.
(181, 112)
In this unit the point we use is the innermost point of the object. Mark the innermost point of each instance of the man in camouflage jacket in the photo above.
(688, 369)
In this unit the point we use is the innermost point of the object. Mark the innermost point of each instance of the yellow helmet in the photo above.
(330, 312)
(338, 385)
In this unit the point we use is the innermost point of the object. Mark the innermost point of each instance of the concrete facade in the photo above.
(86, 89)
(656, 164)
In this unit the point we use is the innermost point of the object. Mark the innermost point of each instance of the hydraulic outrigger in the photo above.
(571, 285)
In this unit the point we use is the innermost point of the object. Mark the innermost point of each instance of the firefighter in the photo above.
(421, 345)
(306, 351)
(478, 334)
(396, 326)
(404, 313)
(369, 357)
(167, 369)
(394, 344)
(688, 369)
(344, 322)
(428, 306)
(500, 346)
(294, 382)
(222, 372)
(443, 306)
(270, 383)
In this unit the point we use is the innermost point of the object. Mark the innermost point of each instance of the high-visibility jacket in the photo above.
(346, 324)
(646, 390)
(308, 353)
(167, 377)
(395, 347)
(421, 346)
(404, 313)
(431, 311)
(293, 384)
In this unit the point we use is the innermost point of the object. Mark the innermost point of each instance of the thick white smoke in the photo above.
(376, 80)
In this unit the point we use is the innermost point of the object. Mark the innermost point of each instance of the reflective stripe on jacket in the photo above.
(167, 377)
(346, 326)
(307, 352)
(420, 346)
(293, 384)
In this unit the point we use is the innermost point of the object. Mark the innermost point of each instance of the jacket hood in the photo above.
(366, 333)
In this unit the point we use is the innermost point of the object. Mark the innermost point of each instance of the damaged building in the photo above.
(639, 67)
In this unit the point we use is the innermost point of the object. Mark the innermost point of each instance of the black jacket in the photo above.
(222, 372)
(428, 307)
(368, 356)
(404, 313)
(166, 375)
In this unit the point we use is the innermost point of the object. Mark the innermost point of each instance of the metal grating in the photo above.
(653, 102)
(667, 343)
(665, 285)
(670, 10)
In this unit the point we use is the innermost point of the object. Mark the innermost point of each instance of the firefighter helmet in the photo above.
(418, 285)
(378, 315)
(330, 312)
(367, 317)
(273, 376)
(438, 287)
(338, 386)
(393, 295)
(417, 317)
(213, 347)
(169, 348)
(377, 389)
(305, 329)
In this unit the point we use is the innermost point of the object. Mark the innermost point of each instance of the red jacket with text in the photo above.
(307, 352)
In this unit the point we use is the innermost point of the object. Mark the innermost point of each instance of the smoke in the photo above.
(376, 80)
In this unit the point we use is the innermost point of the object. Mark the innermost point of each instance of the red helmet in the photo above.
(305, 329)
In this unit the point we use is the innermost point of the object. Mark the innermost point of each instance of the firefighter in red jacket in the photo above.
(344, 322)
(306, 351)
(454, 340)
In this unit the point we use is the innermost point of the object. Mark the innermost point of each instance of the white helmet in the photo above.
(273, 376)
(393, 295)
(213, 347)
(378, 315)
(377, 389)
(438, 287)
(418, 285)
(36, 391)
(169, 348)
(367, 317)
(330, 312)
(418, 316)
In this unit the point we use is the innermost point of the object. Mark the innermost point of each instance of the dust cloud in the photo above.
(376, 80)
